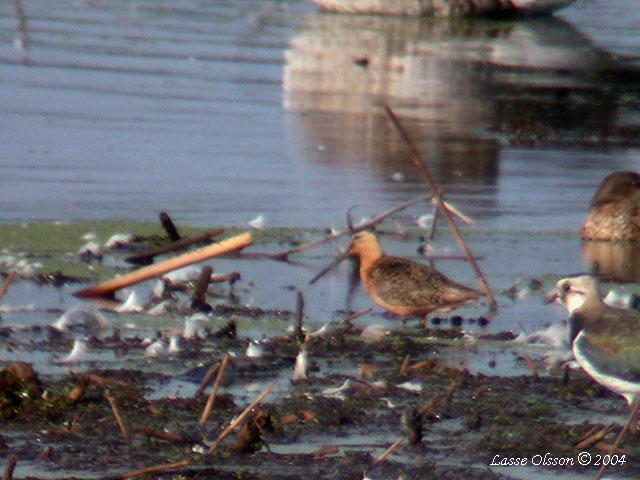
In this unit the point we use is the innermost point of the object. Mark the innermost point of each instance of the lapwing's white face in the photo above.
(574, 291)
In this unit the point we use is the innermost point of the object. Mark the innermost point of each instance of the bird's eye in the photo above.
(566, 287)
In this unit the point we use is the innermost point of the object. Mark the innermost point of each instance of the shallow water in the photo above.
(220, 111)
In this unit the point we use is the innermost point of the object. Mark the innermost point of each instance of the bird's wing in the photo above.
(611, 341)
(398, 280)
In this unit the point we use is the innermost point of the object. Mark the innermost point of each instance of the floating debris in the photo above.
(159, 348)
(411, 387)
(397, 177)
(621, 299)
(79, 352)
(193, 324)
(556, 335)
(302, 365)
(374, 332)
(257, 222)
(425, 221)
(133, 303)
(81, 318)
(89, 251)
(255, 350)
(183, 275)
(119, 240)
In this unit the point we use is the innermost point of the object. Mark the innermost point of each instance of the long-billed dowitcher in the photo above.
(402, 286)
(615, 209)
(605, 340)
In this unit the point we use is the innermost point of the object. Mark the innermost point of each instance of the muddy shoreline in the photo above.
(362, 392)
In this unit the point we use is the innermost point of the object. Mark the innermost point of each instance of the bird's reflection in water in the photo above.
(453, 83)
(613, 261)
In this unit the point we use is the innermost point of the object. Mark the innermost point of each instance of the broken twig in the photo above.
(299, 316)
(386, 453)
(240, 417)
(207, 378)
(6, 283)
(161, 434)
(634, 410)
(146, 258)
(214, 390)
(363, 226)
(198, 299)
(116, 414)
(169, 226)
(11, 465)
(148, 470)
(405, 365)
(106, 289)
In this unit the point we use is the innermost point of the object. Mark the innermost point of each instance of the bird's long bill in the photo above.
(331, 266)
(551, 296)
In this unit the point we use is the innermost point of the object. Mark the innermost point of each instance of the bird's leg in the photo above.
(634, 410)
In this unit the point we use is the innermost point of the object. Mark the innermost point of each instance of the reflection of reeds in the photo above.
(342, 69)
(22, 25)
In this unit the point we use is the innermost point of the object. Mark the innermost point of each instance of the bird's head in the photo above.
(364, 244)
(573, 292)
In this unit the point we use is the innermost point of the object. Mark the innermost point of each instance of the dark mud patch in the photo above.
(478, 418)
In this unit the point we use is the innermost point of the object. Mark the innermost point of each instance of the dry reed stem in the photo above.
(386, 453)
(451, 389)
(6, 283)
(634, 410)
(207, 378)
(116, 414)
(405, 365)
(240, 417)
(363, 226)
(107, 288)
(531, 367)
(154, 432)
(145, 258)
(11, 465)
(415, 157)
(44, 454)
(169, 226)
(478, 392)
(198, 299)
(148, 470)
(430, 406)
(356, 315)
(214, 390)
(586, 435)
(299, 316)
(608, 449)
(102, 381)
(592, 436)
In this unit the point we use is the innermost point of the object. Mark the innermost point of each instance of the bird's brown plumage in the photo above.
(402, 286)
(615, 209)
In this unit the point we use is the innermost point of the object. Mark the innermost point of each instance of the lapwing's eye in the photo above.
(566, 287)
